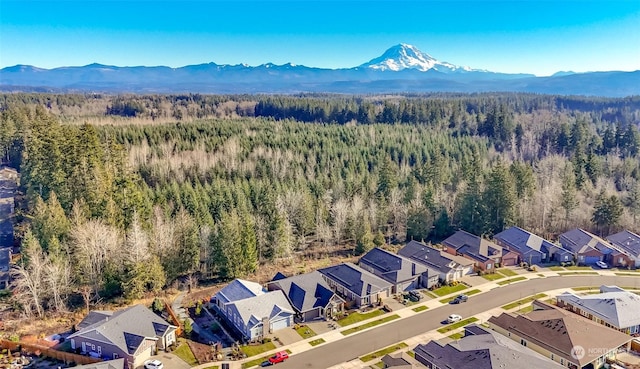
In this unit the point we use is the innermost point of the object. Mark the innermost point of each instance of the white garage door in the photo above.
(279, 324)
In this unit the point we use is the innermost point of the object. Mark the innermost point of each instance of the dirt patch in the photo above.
(203, 353)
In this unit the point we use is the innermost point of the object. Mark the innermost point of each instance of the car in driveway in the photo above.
(454, 318)
(459, 299)
(279, 357)
(153, 364)
(602, 264)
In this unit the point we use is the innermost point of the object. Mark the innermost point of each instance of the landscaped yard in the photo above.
(370, 324)
(358, 317)
(305, 332)
(253, 350)
(419, 308)
(468, 293)
(445, 290)
(492, 277)
(516, 279)
(523, 301)
(384, 351)
(184, 352)
(457, 325)
(507, 272)
(316, 342)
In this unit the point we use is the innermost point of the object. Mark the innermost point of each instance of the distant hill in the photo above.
(401, 68)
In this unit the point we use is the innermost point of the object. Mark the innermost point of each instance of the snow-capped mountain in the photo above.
(404, 56)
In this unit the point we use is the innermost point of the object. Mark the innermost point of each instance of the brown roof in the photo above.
(560, 331)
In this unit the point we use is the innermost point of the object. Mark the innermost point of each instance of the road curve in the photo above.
(356, 345)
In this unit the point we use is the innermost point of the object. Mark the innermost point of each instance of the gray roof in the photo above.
(239, 289)
(431, 257)
(473, 246)
(110, 364)
(613, 305)
(400, 360)
(93, 317)
(516, 238)
(267, 305)
(305, 291)
(355, 279)
(579, 241)
(489, 350)
(391, 267)
(626, 241)
(127, 328)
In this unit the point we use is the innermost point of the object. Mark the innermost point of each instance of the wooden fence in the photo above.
(67, 357)
(174, 318)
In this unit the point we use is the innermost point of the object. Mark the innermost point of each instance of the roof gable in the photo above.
(305, 291)
(626, 241)
(239, 289)
(524, 241)
(267, 305)
(619, 308)
(355, 279)
(432, 258)
(580, 241)
(391, 267)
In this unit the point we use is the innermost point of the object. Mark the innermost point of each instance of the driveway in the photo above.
(170, 361)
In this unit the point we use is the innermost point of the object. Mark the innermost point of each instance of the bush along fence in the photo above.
(67, 357)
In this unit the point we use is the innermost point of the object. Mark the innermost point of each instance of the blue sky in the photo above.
(540, 37)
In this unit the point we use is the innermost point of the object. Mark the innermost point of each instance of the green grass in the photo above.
(253, 350)
(516, 279)
(556, 268)
(541, 275)
(575, 267)
(370, 324)
(306, 332)
(429, 293)
(492, 277)
(358, 317)
(573, 273)
(379, 364)
(507, 272)
(446, 290)
(384, 351)
(258, 361)
(316, 342)
(469, 293)
(526, 309)
(412, 354)
(456, 336)
(184, 352)
(523, 301)
(457, 325)
(419, 308)
(585, 288)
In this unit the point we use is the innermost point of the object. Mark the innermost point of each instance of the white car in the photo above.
(454, 318)
(153, 364)
(602, 264)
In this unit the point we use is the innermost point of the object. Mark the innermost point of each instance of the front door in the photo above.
(84, 347)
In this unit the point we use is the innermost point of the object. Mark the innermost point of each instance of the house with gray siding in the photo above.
(441, 266)
(309, 294)
(253, 312)
(626, 243)
(587, 248)
(531, 249)
(404, 274)
(356, 285)
(133, 334)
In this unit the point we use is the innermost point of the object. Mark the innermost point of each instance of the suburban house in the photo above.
(111, 364)
(613, 307)
(446, 267)
(403, 274)
(133, 334)
(251, 311)
(628, 244)
(530, 248)
(355, 284)
(5, 259)
(484, 253)
(481, 348)
(587, 248)
(309, 294)
(566, 338)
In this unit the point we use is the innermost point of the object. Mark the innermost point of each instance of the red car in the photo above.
(279, 357)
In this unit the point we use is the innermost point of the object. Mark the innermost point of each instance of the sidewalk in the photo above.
(336, 335)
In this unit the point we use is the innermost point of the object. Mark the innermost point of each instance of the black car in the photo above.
(415, 295)
(459, 299)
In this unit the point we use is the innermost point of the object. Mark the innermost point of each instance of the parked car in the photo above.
(279, 357)
(153, 364)
(602, 264)
(415, 295)
(454, 318)
(266, 363)
(459, 299)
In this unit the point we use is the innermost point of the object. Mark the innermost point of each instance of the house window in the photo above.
(523, 342)
(115, 356)
(99, 350)
(489, 266)
(93, 347)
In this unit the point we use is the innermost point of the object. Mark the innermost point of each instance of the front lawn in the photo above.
(384, 351)
(316, 342)
(370, 324)
(184, 352)
(523, 301)
(457, 325)
(305, 332)
(446, 290)
(507, 272)
(516, 279)
(492, 277)
(253, 350)
(358, 317)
